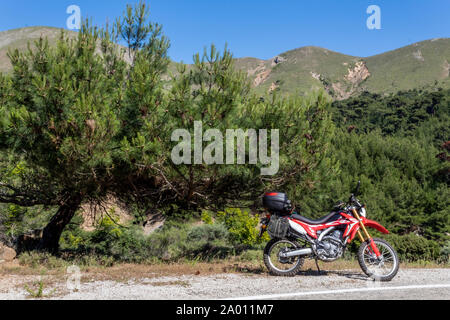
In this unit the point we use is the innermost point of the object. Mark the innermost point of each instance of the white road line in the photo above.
(310, 293)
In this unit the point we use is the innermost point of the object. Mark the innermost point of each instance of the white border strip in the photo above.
(310, 293)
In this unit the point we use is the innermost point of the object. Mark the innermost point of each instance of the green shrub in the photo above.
(445, 252)
(175, 241)
(122, 244)
(208, 241)
(231, 234)
(208, 233)
(411, 248)
(73, 236)
(169, 242)
(38, 259)
(16, 220)
(130, 246)
(207, 218)
(252, 255)
(242, 226)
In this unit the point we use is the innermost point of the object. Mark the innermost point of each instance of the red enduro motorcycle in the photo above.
(294, 238)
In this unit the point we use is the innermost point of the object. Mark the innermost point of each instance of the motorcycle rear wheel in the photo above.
(383, 269)
(285, 267)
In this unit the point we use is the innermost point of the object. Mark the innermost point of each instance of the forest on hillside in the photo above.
(399, 145)
(79, 126)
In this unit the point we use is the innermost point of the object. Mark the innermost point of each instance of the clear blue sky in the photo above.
(258, 28)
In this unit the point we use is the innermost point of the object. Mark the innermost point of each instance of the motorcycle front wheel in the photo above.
(383, 268)
(277, 265)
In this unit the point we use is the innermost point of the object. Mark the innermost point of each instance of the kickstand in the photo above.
(317, 265)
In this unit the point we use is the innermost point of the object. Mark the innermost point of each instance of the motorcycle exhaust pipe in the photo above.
(295, 253)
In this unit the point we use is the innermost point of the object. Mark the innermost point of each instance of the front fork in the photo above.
(363, 227)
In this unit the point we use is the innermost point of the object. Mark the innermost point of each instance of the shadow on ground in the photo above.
(259, 270)
(348, 274)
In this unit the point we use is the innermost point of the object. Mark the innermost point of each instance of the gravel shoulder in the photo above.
(228, 286)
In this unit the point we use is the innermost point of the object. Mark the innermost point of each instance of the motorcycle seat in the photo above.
(310, 221)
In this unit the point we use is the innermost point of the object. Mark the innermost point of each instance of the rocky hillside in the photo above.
(423, 64)
(420, 65)
(19, 39)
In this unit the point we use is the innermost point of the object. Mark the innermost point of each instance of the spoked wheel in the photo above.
(383, 268)
(278, 265)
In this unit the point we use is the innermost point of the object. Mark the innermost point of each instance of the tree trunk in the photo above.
(52, 232)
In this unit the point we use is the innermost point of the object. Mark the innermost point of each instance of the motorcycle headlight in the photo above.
(363, 213)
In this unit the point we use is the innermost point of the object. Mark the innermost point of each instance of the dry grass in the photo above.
(16, 269)
(125, 272)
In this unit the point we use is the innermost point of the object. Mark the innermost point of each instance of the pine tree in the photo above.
(87, 118)
(66, 110)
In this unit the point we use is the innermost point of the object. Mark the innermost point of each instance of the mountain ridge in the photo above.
(419, 65)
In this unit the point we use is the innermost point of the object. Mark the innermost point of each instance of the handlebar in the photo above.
(357, 187)
(354, 201)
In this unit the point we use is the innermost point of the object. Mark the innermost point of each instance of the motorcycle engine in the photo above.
(331, 246)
